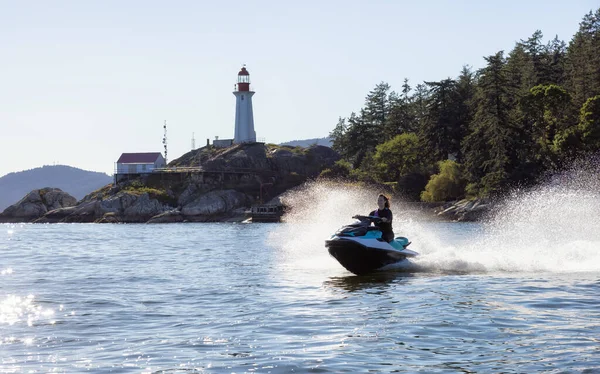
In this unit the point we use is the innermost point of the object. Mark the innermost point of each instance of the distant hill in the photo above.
(308, 142)
(77, 182)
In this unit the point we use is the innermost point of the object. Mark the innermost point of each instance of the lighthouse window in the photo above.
(242, 97)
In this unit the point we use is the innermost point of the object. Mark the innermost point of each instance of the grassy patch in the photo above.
(137, 188)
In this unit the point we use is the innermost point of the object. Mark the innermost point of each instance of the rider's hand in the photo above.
(384, 219)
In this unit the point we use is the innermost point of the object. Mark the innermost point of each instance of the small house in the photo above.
(139, 163)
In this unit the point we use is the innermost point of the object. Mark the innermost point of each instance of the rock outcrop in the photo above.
(37, 203)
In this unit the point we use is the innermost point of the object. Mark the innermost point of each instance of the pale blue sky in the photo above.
(83, 81)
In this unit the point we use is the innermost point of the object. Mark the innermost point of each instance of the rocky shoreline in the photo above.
(228, 183)
(224, 185)
(51, 205)
(464, 210)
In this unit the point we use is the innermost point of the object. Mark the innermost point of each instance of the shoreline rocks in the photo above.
(36, 204)
(464, 210)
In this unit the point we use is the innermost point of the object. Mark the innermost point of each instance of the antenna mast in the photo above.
(193, 142)
(165, 141)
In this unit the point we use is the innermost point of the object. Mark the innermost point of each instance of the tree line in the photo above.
(510, 123)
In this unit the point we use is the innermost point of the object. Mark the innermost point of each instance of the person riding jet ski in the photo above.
(362, 248)
(383, 212)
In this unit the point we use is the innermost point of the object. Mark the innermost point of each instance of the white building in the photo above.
(139, 163)
(244, 117)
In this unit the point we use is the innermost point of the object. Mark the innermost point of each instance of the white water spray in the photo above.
(553, 228)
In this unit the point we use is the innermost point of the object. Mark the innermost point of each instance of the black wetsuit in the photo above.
(387, 232)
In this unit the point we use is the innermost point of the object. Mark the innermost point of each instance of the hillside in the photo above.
(74, 181)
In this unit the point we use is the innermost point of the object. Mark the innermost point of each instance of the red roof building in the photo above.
(139, 158)
(139, 163)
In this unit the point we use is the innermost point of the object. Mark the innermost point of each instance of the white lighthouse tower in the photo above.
(244, 118)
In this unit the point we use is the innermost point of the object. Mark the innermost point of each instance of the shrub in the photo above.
(340, 169)
(449, 184)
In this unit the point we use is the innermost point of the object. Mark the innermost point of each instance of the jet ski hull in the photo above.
(360, 259)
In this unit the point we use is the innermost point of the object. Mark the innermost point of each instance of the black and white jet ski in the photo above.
(360, 248)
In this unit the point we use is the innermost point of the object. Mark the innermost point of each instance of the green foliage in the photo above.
(397, 157)
(365, 173)
(589, 123)
(448, 185)
(548, 112)
(340, 169)
(138, 188)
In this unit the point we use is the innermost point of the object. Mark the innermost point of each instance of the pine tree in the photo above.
(487, 147)
(441, 128)
(548, 110)
(361, 139)
(583, 59)
(465, 91)
(534, 71)
(401, 117)
(339, 137)
(419, 106)
(376, 109)
(555, 57)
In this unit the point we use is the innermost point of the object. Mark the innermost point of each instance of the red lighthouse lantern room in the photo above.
(243, 83)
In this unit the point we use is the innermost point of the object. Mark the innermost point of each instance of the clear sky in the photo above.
(83, 81)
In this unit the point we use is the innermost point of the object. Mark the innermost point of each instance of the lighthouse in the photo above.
(244, 118)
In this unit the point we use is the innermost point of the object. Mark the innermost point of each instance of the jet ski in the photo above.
(359, 247)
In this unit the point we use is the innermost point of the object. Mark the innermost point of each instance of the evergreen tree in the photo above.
(583, 59)
(376, 109)
(360, 139)
(549, 112)
(419, 106)
(401, 118)
(339, 138)
(555, 56)
(465, 91)
(523, 68)
(441, 129)
(487, 147)
(534, 70)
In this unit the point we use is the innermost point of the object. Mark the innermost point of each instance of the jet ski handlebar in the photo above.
(367, 218)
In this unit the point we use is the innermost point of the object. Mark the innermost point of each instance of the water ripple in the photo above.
(175, 299)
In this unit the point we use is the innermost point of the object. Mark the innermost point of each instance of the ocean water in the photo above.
(515, 294)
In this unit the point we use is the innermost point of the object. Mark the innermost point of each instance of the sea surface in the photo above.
(519, 293)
